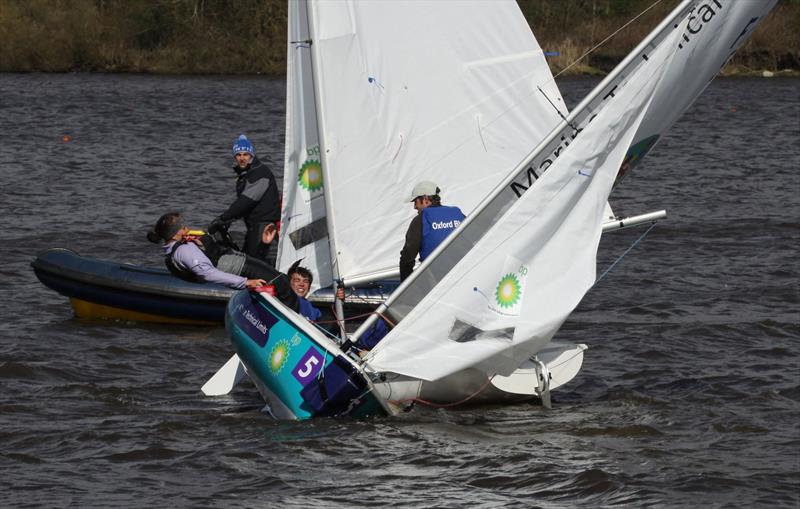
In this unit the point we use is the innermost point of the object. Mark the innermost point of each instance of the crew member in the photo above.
(300, 279)
(202, 259)
(432, 224)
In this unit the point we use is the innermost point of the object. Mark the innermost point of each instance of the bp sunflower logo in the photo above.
(278, 356)
(508, 291)
(310, 176)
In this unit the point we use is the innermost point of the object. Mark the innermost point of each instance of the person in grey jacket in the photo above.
(202, 259)
(257, 201)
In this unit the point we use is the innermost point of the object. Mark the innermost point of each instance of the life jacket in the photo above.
(210, 248)
(267, 207)
(307, 309)
(437, 223)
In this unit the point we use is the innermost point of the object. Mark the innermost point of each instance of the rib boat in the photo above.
(99, 288)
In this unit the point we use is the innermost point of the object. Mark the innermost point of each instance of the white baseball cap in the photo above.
(424, 188)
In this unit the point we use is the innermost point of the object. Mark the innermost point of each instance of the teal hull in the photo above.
(299, 372)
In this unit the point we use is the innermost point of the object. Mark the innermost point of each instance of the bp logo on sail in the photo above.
(504, 292)
(310, 176)
(508, 291)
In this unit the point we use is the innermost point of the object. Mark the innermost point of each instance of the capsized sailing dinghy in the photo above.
(478, 316)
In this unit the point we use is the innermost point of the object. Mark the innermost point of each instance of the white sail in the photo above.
(721, 34)
(303, 224)
(712, 33)
(407, 91)
(506, 298)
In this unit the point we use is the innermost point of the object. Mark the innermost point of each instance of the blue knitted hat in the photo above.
(242, 144)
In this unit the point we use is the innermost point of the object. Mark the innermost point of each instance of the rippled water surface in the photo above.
(689, 395)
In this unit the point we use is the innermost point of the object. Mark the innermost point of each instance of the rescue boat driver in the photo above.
(257, 201)
(432, 224)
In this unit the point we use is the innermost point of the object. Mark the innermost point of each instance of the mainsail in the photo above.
(701, 34)
(404, 91)
(304, 229)
(506, 298)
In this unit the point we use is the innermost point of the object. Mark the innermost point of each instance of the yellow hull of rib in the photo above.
(85, 309)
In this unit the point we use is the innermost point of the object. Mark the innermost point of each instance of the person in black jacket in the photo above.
(257, 201)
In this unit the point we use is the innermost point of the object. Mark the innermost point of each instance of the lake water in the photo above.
(689, 395)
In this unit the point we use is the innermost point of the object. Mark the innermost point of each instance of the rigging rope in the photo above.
(553, 79)
(608, 38)
(445, 405)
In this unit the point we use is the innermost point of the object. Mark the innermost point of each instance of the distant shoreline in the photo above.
(596, 73)
(248, 37)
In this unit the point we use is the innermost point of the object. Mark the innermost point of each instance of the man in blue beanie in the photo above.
(257, 201)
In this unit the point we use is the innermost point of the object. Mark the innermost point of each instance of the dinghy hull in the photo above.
(300, 373)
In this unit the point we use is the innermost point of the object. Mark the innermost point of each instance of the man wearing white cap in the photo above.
(433, 223)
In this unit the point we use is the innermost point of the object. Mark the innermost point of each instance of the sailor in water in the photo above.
(433, 223)
(202, 259)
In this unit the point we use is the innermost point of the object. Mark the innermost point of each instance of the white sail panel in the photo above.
(710, 35)
(443, 91)
(506, 298)
(303, 225)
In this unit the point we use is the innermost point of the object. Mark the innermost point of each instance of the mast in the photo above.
(318, 103)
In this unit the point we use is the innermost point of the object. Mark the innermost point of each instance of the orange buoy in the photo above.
(66, 138)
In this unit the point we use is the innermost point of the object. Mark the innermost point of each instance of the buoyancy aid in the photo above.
(257, 197)
(437, 223)
(307, 309)
(210, 248)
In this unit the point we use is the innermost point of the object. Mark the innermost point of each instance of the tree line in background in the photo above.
(249, 36)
